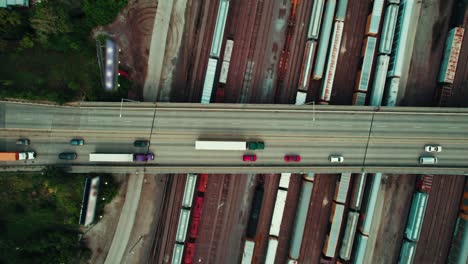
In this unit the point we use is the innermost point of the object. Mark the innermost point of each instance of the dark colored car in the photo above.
(292, 158)
(253, 145)
(77, 142)
(249, 158)
(143, 156)
(68, 155)
(22, 141)
(141, 143)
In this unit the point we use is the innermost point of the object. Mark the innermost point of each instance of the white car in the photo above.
(427, 160)
(336, 159)
(433, 148)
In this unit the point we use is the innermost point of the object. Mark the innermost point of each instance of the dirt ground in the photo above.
(132, 31)
(98, 237)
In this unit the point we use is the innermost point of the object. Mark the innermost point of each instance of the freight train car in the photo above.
(315, 19)
(218, 34)
(459, 249)
(451, 55)
(183, 225)
(209, 81)
(407, 253)
(255, 212)
(373, 19)
(284, 180)
(271, 250)
(307, 62)
(349, 234)
(416, 216)
(380, 76)
(300, 219)
(177, 254)
(190, 185)
(357, 195)
(388, 29)
(341, 190)
(327, 84)
(364, 75)
(324, 40)
(247, 255)
(278, 212)
(331, 241)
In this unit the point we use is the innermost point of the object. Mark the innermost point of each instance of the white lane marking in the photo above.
(453, 127)
(27, 118)
(416, 127)
(128, 121)
(382, 126)
(346, 125)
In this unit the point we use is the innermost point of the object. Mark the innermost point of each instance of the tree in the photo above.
(9, 19)
(26, 43)
(48, 20)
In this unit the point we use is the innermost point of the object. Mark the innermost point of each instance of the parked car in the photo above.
(68, 156)
(143, 156)
(249, 157)
(427, 160)
(23, 141)
(433, 148)
(336, 159)
(77, 142)
(292, 158)
(253, 145)
(141, 143)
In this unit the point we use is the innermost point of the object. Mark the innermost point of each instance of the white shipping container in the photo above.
(315, 19)
(248, 252)
(366, 68)
(341, 191)
(327, 85)
(451, 55)
(209, 81)
(391, 92)
(373, 22)
(219, 28)
(359, 98)
(228, 50)
(336, 219)
(284, 180)
(271, 250)
(388, 29)
(220, 145)
(110, 157)
(189, 190)
(177, 254)
(183, 225)
(348, 237)
(300, 98)
(278, 211)
(307, 61)
(224, 72)
(380, 76)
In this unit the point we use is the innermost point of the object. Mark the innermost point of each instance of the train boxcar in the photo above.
(449, 64)
(198, 206)
(247, 255)
(271, 250)
(362, 84)
(341, 10)
(416, 216)
(202, 183)
(300, 219)
(224, 72)
(209, 81)
(341, 190)
(402, 39)
(459, 249)
(177, 254)
(388, 29)
(327, 84)
(324, 40)
(228, 50)
(373, 20)
(380, 77)
(367, 214)
(361, 246)
(359, 98)
(183, 225)
(348, 237)
(189, 252)
(407, 253)
(189, 190)
(301, 98)
(194, 227)
(278, 211)
(307, 63)
(284, 180)
(315, 19)
(357, 194)
(255, 212)
(219, 28)
(391, 91)
(424, 183)
(336, 219)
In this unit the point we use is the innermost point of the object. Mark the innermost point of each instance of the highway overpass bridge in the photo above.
(370, 139)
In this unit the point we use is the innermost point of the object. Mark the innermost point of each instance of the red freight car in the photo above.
(424, 183)
(202, 182)
(194, 225)
(189, 252)
(197, 209)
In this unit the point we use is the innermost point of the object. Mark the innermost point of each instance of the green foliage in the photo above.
(48, 19)
(9, 18)
(102, 12)
(25, 43)
(39, 217)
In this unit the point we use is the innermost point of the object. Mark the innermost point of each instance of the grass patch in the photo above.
(39, 216)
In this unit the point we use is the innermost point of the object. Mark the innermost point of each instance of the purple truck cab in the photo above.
(143, 156)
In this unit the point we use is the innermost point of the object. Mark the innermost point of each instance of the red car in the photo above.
(249, 158)
(292, 158)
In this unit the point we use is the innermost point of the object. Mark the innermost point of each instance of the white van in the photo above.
(427, 160)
